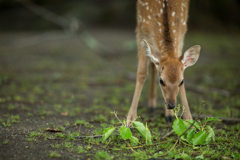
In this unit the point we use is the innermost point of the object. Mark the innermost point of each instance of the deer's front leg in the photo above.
(187, 114)
(141, 77)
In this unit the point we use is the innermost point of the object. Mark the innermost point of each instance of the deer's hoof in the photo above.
(151, 109)
(169, 119)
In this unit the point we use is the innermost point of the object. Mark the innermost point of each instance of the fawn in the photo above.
(161, 26)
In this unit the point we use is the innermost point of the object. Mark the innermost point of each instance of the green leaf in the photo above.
(183, 156)
(134, 141)
(125, 133)
(236, 155)
(196, 125)
(190, 134)
(144, 132)
(213, 119)
(199, 157)
(210, 135)
(199, 138)
(107, 132)
(178, 126)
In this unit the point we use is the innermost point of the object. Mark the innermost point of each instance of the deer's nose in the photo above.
(171, 106)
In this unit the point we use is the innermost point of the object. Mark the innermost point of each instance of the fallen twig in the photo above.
(73, 25)
(201, 89)
(50, 138)
(79, 128)
(166, 135)
(95, 136)
(54, 130)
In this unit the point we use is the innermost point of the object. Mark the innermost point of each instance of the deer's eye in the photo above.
(161, 82)
(181, 83)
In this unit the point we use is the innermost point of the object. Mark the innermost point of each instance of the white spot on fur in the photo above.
(173, 14)
(160, 43)
(143, 20)
(140, 18)
(173, 23)
(161, 10)
(147, 7)
(163, 5)
(160, 30)
(149, 17)
(174, 31)
(159, 23)
(147, 22)
(184, 23)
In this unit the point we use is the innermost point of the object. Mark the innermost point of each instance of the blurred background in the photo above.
(77, 56)
(204, 15)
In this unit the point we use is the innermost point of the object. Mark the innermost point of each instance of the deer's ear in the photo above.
(190, 57)
(151, 52)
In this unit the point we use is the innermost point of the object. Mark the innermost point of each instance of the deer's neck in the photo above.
(163, 23)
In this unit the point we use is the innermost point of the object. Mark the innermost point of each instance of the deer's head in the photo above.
(170, 70)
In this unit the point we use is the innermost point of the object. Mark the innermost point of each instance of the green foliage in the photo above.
(54, 154)
(7, 124)
(144, 131)
(178, 126)
(102, 155)
(203, 137)
(5, 142)
(107, 132)
(199, 138)
(125, 133)
(134, 141)
(183, 156)
(212, 119)
(199, 157)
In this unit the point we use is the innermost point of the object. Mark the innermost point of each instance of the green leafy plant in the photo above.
(7, 124)
(54, 154)
(126, 134)
(201, 134)
(5, 142)
(103, 155)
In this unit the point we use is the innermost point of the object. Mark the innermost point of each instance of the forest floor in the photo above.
(53, 80)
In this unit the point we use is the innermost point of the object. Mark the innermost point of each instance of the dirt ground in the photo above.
(51, 79)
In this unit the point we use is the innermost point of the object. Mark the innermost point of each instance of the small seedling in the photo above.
(35, 134)
(80, 150)
(54, 154)
(7, 124)
(5, 142)
(103, 155)
(55, 146)
(31, 139)
(15, 118)
(126, 134)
